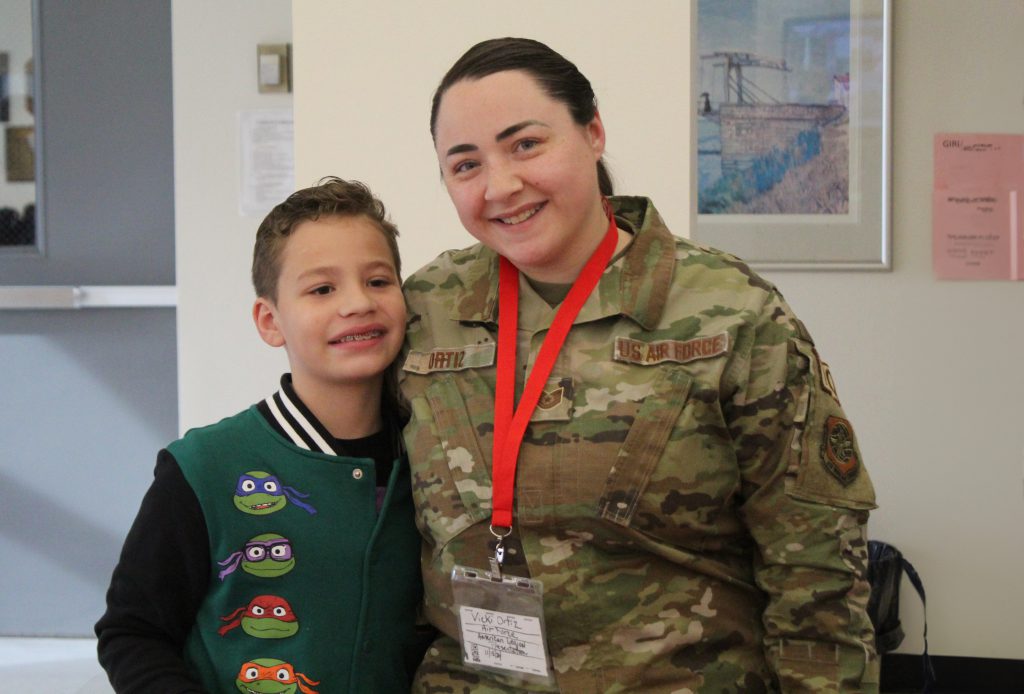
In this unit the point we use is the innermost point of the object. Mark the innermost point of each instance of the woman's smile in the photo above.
(522, 173)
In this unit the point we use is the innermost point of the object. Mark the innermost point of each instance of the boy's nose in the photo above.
(354, 301)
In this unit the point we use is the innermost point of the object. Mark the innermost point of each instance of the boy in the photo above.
(264, 550)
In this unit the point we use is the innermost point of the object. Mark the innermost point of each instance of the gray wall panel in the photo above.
(89, 395)
(106, 120)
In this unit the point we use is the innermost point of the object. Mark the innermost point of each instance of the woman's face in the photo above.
(521, 173)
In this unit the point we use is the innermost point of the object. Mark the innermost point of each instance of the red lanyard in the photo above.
(509, 426)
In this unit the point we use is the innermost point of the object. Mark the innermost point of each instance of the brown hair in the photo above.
(331, 196)
(556, 75)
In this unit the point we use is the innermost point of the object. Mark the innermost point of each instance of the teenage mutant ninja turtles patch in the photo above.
(838, 451)
(265, 617)
(272, 675)
(268, 556)
(260, 493)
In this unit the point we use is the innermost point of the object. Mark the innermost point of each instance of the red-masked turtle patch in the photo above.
(838, 452)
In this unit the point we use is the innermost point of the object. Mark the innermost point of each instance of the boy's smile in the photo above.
(339, 311)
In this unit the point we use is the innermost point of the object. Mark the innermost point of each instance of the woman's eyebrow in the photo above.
(459, 149)
(503, 135)
(513, 129)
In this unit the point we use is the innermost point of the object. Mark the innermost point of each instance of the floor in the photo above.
(49, 666)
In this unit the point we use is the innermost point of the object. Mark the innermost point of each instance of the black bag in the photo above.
(886, 565)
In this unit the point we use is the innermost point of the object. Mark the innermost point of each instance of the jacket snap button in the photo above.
(357, 474)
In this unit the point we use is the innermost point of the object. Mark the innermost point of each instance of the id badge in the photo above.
(501, 624)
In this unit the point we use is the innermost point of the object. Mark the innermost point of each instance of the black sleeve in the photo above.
(156, 590)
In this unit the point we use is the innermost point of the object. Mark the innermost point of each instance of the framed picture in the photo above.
(21, 156)
(793, 132)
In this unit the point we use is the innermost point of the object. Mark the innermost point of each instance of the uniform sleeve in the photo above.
(806, 497)
(157, 587)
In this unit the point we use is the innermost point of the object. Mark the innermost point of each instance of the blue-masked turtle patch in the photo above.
(260, 493)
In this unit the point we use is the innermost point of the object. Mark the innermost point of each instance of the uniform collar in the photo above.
(636, 285)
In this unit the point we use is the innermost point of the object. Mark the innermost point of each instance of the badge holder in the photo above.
(501, 622)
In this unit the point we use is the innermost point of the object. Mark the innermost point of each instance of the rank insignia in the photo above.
(551, 398)
(838, 451)
(555, 403)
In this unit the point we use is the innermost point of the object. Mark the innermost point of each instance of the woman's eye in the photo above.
(464, 166)
(526, 145)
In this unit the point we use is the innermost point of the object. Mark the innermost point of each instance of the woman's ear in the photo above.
(596, 135)
(264, 314)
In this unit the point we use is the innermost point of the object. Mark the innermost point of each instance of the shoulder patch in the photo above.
(838, 452)
(450, 358)
(633, 351)
(827, 382)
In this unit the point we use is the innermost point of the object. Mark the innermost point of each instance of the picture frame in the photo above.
(793, 123)
(20, 153)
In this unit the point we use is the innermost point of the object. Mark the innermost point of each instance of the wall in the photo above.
(224, 365)
(928, 371)
(370, 121)
(88, 395)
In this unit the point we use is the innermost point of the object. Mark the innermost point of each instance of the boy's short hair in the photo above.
(331, 196)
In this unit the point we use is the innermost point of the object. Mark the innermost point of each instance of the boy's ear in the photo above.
(264, 314)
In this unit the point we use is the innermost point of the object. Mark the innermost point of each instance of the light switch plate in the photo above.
(274, 67)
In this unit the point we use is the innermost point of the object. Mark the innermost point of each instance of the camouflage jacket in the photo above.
(689, 490)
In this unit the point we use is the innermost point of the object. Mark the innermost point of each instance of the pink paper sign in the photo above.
(976, 220)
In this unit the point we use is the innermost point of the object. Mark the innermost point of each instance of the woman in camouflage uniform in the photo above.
(688, 490)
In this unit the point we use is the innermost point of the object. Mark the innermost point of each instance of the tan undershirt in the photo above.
(554, 293)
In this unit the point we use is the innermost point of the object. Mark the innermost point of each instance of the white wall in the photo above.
(365, 74)
(931, 372)
(928, 371)
(223, 365)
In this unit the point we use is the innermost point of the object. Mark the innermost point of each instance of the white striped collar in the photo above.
(296, 421)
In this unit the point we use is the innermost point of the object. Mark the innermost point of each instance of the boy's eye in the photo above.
(324, 289)
(380, 282)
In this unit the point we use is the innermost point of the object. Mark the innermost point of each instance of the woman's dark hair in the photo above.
(558, 77)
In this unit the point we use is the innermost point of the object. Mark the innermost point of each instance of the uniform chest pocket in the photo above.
(675, 471)
(451, 474)
(643, 447)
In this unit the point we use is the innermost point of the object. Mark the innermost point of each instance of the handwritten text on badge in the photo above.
(503, 640)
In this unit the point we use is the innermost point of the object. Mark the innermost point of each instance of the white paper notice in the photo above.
(268, 159)
(503, 640)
